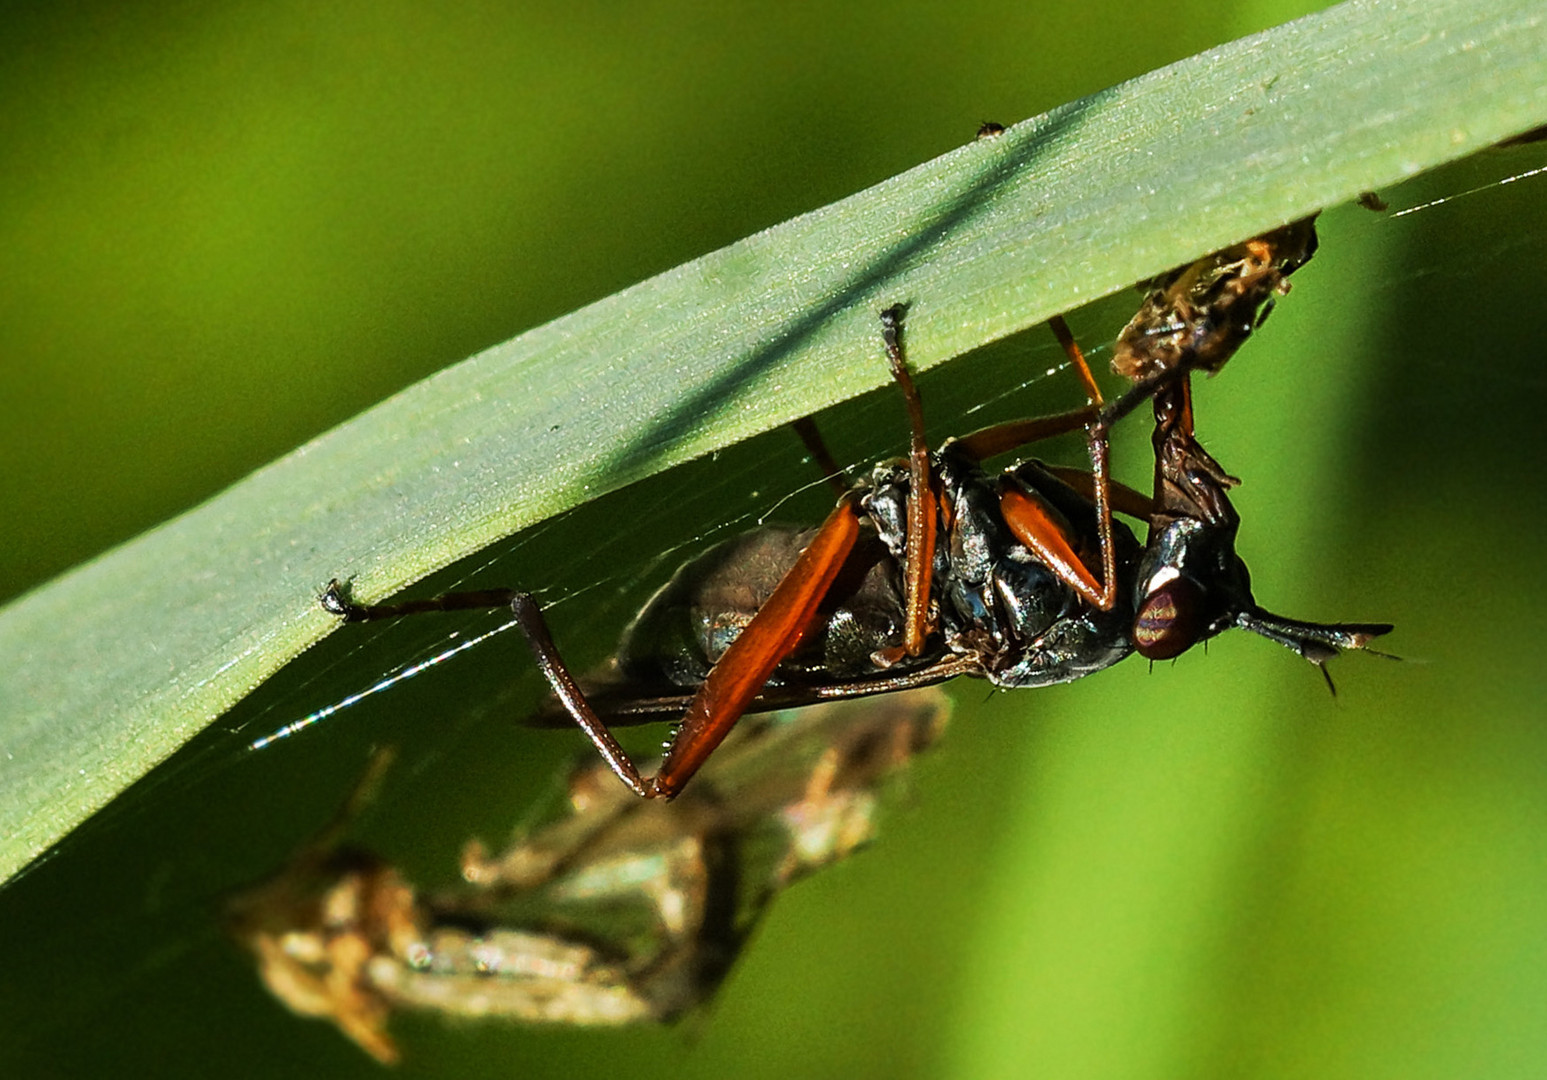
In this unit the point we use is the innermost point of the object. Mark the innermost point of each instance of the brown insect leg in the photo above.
(1012, 434)
(1101, 477)
(737, 678)
(1028, 519)
(742, 671)
(1071, 349)
(530, 619)
(919, 562)
(1125, 500)
(806, 428)
(528, 616)
(1100, 450)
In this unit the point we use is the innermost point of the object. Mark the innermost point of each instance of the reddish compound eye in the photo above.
(1170, 620)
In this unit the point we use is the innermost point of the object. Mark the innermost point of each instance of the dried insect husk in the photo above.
(1197, 316)
(621, 911)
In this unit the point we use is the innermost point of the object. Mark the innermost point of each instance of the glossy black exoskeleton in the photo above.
(1000, 613)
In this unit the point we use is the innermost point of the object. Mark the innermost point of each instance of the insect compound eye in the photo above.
(1170, 620)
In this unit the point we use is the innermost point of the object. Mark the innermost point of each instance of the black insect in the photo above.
(933, 567)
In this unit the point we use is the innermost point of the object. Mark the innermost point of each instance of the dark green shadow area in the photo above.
(726, 391)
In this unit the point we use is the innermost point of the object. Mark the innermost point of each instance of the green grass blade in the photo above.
(113, 666)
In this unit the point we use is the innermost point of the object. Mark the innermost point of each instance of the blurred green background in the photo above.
(224, 230)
